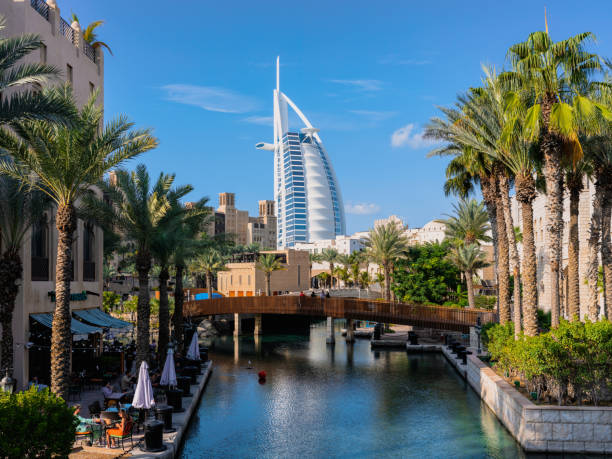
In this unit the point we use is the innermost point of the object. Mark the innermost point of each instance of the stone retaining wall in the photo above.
(563, 429)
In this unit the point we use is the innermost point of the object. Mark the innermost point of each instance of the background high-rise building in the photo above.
(306, 192)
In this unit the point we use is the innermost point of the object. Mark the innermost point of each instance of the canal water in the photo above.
(344, 400)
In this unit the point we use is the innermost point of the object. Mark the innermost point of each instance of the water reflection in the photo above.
(338, 400)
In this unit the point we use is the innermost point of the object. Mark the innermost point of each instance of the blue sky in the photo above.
(368, 74)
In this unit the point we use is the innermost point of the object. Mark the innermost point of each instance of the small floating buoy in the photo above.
(262, 377)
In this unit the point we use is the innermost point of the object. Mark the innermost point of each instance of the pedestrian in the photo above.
(302, 294)
(322, 294)
(327, 294)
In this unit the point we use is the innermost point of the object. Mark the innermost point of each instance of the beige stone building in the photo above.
(82, 66)
(242, 278)
(241, 227)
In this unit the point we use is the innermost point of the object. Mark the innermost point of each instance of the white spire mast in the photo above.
(278, 73)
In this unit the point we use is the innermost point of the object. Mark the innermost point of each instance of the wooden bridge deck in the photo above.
(437, 317)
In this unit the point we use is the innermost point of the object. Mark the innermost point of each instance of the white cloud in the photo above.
(210, 98)
(373, 115)
(261, 120)
(361, 85)
(405, 136)
(362, 208)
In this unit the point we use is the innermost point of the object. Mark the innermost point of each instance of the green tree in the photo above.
(469, 258)
(469, 225)
(90, 35)
(330, 256)
(64, 162)
(386, 244)
(26, 103)
(210, 262)
(268, 263)
(110, 300)
(20, 209)
(549, 74)
(426, 275)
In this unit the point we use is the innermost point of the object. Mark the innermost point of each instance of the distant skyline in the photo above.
(369, 75)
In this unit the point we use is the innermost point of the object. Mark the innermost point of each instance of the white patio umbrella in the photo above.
(194, 349)
(143, 397)
(168, 377)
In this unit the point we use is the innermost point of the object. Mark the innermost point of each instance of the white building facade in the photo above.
(308, 198)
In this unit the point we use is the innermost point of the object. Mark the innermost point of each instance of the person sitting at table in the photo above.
(126, 382)
(120, 429)
(107, 390)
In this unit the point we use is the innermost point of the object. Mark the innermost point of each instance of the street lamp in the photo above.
(478, 329)
(7, 383)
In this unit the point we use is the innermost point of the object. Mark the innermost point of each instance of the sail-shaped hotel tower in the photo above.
(308, 199)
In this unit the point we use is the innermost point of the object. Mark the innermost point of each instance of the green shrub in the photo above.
(544, 320)
(485, 301)
(572, 361)
(35, 424)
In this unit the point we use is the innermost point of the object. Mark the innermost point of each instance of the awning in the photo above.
(101, 319)
(76, 327)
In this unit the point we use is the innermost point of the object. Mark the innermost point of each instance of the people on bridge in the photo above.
(327, 294)
(312, 294)
(322, 294)
(302, 294)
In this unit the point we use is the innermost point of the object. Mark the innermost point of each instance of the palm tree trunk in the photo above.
(387, 273)
(164, 314)
(487, 187)
(470, 288)
(606, 251)
(331, 273)
(143, 312)
(593, 266)
(61, 337)
(513, 251)
(525, 194)
(209, 280)
(573, 250)
(551, 149)
(11, 271)
(268, 287)
(179, 298)
(503, 268)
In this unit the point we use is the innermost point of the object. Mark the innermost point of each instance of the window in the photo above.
(43, 54)
(89, 264)
(92, 88)
(40, 250)
(69, 73)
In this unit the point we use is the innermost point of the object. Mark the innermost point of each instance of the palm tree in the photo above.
(28, 104)
(324, 276)
(386, 244)
(66, 162)
(20, 209)
(89, 34)
(268, 263)
(187, 247)
(364, 279)
(331, 257)
(469, 258)
(163, 246)
(469, 225)
(137, 209)
(548, 73)
(210, 262)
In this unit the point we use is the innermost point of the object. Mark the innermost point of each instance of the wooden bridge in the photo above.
(436, 317)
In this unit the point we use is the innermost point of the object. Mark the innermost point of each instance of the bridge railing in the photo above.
(439, 317)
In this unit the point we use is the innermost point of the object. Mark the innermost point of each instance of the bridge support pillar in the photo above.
(331, 337)
(350, 330)
(258, 324)
(237, 325)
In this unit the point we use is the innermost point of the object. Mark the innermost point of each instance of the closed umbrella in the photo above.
(143, 397)
(168, 377)
(194, 349)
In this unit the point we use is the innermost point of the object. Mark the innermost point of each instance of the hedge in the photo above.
(571, 363)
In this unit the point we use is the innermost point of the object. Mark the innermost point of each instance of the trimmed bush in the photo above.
(35, 424)
(571, 363)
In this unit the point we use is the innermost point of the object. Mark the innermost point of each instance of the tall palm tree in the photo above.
(548, 72)
(209, 262)
(65, 162)
(20, 208)
(137, 207)
(187, 247)
(268, 263)
(386, 244)
(163, 247)
(364, 279)
(26, 103)
(469, 258)
(331, 257)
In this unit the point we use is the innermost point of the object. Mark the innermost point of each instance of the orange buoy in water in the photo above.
(261, 375)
